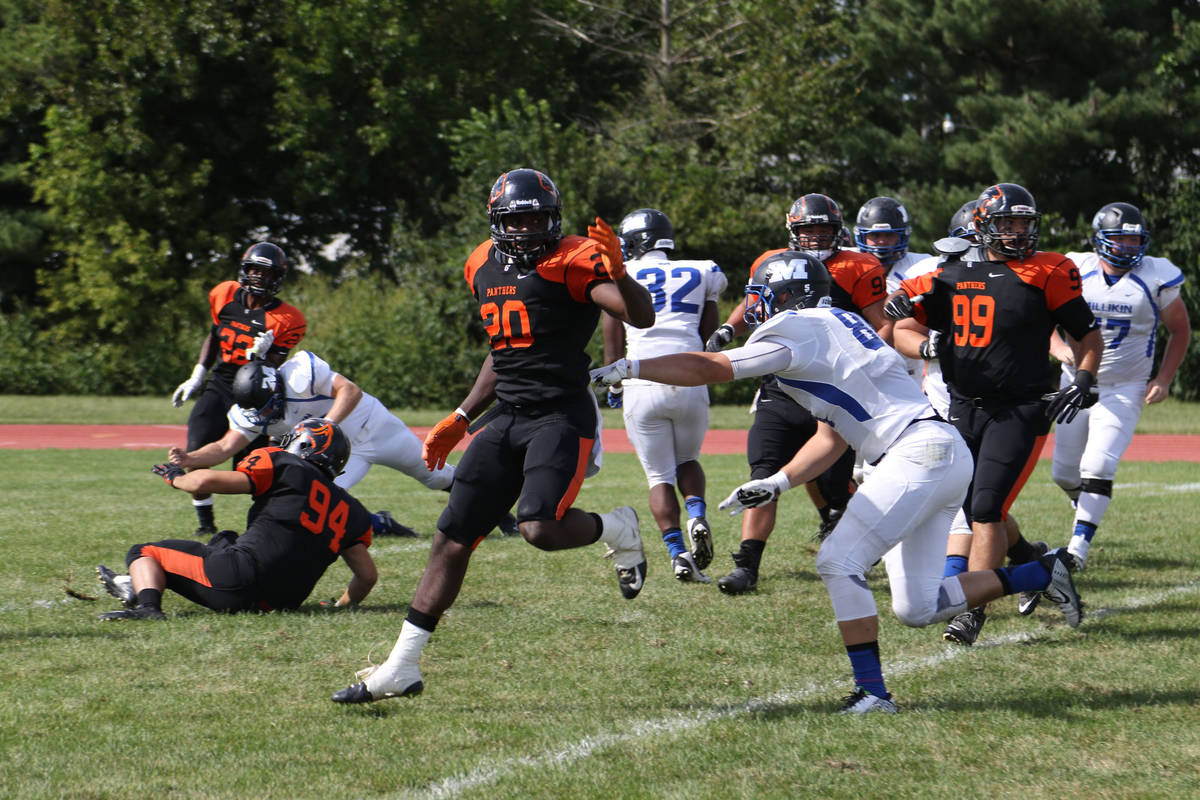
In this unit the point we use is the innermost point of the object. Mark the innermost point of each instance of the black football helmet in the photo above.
(644, 230)
(962, 224)
(814, 225)
(883, 215)
(258, 390)
(264, 266)
(790, 279)
(1007, 201)
(321, 443)
(1120, 219)
(525, 191)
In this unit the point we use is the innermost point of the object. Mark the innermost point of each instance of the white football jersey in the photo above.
(308, 387)
(679, 290)
(1128, 313)
(903, 268)
(847, 376)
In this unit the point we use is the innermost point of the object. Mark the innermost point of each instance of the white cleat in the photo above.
(623, 536)
(686, 570)
(1079, 549)
(700, 536)
(1061, 590)
(863, 702)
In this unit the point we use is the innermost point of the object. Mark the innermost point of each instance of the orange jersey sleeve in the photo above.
(860, 275)
(288, 323)
(575, 264)
(260, 467)
(219, 297)
(764, 257)
(1053, 273)
(476, 260)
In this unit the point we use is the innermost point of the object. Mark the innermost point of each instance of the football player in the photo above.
(300, 523)
(781, 427)
(540, 296)
(1130, 293)
(832, 362)
(995, 311)
(666, 424)
(247, 320)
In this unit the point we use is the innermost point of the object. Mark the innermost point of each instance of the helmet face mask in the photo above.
(1007, 221)
(644, 230)
(321, 443)
(814, 226)
(259, 391)
(962, 224)
(263, 268)
(883, 215)
(785, 281)
(1120, 236)
(525, 215)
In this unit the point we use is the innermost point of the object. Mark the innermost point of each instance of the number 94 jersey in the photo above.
(1128, 313)
(679, 291)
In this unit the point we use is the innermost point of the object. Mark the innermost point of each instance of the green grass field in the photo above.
(542, 682)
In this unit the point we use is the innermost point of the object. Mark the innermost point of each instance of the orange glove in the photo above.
(442, 439)
(608, 246)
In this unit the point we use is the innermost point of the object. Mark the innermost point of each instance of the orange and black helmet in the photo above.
(321, 443)
(1007, 201)
(525, 191)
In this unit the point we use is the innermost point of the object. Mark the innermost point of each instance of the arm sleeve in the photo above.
(762, 357)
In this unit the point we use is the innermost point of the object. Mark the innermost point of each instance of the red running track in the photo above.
(1145, 447)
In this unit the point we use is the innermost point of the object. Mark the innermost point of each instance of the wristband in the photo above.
(634, 368)
(780, 482)
(458, 412)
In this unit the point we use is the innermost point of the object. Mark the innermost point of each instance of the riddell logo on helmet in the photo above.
(1023, 209)
(257, 259)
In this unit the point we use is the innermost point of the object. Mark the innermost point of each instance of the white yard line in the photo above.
(568, 752)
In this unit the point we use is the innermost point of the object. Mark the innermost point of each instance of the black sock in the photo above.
(1022, 552)
(751, 551)
(149, 598)
(205, 515)
(599, 526)
(422, 620)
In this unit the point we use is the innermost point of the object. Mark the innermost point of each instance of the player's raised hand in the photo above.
(442, 439)
(609, 248)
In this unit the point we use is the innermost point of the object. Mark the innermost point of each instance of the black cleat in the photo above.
(508, 526)
(205, 530)
(140, 612)
(964, 629)
(829, 521)
(741, 580)
(409, 679)
(384, 524)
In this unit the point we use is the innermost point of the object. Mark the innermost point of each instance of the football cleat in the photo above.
(206, 530)
(139, 612)
(741, 580)
(395, 682)
(964, 629)
(119, 586)
(1061, 590)
(700, 536)
(1028, 601)
(623, 536)
(829, 521)
(686, 570)
(863, 702)
(384, 524)
(508, 526)
(1078, 548)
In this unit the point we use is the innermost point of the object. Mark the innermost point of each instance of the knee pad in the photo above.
(922, 611)
(1068, 483)
(1096, 486)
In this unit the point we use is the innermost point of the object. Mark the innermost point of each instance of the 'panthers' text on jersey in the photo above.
(678, 290)
(234, 325)
(995, 318)
(1128, 313)
(308, 388)
(539, 321)
(847, 376)
(299, 524)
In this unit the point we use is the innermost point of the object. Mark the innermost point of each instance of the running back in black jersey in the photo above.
(539, 322)
(235, 325)
(300, 522)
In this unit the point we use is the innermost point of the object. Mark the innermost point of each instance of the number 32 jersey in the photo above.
(996, 318)
(678, 290)
(1128, 313)
(539, 321)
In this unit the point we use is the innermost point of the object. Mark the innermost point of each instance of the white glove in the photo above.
(262, 343)
(186, 389)
(753, 494)
(614, 373)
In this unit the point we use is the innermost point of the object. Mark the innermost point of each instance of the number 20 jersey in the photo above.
(1128, 313)
(996, 318)
(539, 321)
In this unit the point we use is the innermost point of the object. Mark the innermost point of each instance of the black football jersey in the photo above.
(539, 321)
(234, 326)
(300, 522)
(996, 318)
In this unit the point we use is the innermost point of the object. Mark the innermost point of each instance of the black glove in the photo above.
(721, 337)
(1067, 402)
(900, 305)
(929, 348)
(168, 472)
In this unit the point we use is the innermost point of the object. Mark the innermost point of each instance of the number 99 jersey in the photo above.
(1128, 313)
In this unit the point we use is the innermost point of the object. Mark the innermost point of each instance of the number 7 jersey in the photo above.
(1128, 312)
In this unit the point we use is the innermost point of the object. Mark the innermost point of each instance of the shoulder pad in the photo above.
(951, 246)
